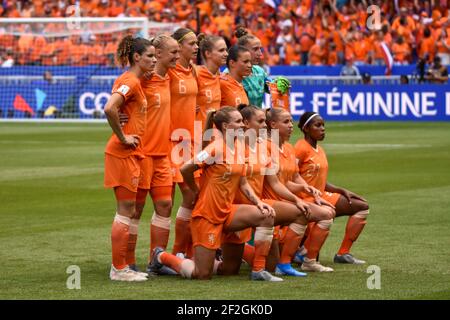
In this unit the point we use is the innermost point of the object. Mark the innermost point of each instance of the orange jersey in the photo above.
(183, 98)
(156, 141)
(135, 107)
(233, 92)
(219, 182)
(287, 169)
(208, 96)
(257, 161)
(312, 165)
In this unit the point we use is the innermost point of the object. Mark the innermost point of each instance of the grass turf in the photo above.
(55, 213)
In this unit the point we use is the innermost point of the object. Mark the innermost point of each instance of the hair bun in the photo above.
(201, 37)
(242, 106)
(240, 32)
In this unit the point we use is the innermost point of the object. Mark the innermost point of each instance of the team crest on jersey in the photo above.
(135, 181)
(211, 238)
(123, 89)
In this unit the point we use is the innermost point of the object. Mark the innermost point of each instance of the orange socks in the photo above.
(159, 232)
(249, 254)
(119, 241)
(185, 267)
(171, 261)
(182, 231)
(263, 241)
(132, 240)
(291, 242)
(354, 227)
(317, 237)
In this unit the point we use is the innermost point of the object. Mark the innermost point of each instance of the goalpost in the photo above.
(63, 68)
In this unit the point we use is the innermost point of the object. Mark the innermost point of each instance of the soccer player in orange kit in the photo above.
(290, 210)
(213, 50)
(313, 166)
(223, 174)
(183, 89)
(156, 175)
(124, 153)
(214, 53)
(239, 65)
(288, 174)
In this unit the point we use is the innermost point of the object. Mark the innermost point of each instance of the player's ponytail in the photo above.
(128, 46)
(273, 115)
(218, 118)
(159, 40)
(247, 111)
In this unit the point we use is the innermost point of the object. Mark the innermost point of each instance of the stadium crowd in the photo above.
(292, 32)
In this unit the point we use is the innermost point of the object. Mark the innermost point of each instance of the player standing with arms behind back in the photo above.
(213, 50)
(183, 96)
(123, 151)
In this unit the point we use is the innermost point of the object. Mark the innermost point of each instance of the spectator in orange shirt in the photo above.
(428, 46)
(183, 10)
(307, 38)
(361, 49)
(317, 54)
(401, 51)
(272, 58)
(95, 53)
(48, 53)
(345, 17)
(116, 8)
(333, 58)
(443, 48)
(378, 56)
(291, 53)
(64, 46)
(410, 24)
(78, 55)
(224, 21)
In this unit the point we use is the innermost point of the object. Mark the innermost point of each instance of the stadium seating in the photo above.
(292, 32)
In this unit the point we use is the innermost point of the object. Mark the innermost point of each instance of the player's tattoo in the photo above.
(250, 196)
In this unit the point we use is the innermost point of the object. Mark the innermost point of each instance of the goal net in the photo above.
(63, 68)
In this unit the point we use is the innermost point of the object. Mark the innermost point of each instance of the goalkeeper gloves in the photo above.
(283, 84)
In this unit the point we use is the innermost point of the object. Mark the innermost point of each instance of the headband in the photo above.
(181, 39)
(309, 119)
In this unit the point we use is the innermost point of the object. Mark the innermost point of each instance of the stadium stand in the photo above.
(307, 41)
(293, 32)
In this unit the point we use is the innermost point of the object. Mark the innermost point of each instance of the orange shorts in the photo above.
(331, 197)
(238, 237)
(207, 234)
(155, 172)
(245, 235)
(328, 196)
(123, 172)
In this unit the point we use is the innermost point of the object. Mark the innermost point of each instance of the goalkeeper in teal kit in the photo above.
(259, 82)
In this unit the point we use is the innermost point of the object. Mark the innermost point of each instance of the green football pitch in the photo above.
(54, 213)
